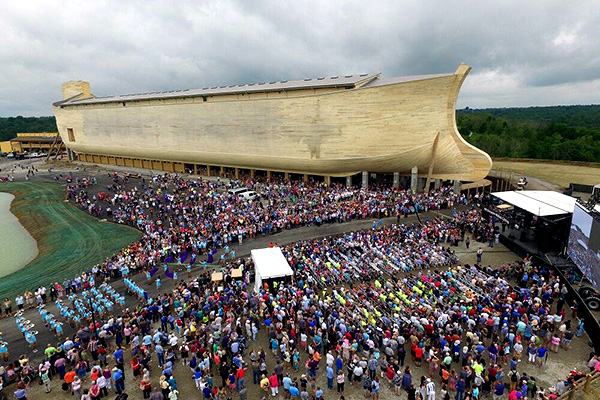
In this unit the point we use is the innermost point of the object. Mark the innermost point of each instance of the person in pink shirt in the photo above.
(274, 384)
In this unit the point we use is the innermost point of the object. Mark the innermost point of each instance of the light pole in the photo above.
(93, 317)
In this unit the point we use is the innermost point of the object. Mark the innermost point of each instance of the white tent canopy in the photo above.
(269, 263)
(542, 203)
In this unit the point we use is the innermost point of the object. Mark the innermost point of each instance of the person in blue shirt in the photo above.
(542, 352)
(287, 382)
(235, 346)
(460, 389)
(198, 377)
(375, 386)
(339, 363)
(319, 393)
(499, 389)
(207, 392)
(294, 392)
(32, 340)
(329, 377)
(118, 354)
(21, 392)
(172, 382)
(119, 380)
(160, 355)
(4, 351)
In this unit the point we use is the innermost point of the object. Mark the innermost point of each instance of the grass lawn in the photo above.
(560, 174)
(69, 240)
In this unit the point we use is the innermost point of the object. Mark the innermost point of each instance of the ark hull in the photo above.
(382, 127)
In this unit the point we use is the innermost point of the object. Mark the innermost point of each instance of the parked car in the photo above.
(237, 191)
(250, 195)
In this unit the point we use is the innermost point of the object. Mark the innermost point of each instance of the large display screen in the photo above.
(584, 244)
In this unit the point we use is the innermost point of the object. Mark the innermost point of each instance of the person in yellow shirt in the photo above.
(478, 368)
(264, 384)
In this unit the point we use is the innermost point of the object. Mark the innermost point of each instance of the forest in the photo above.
(11, 125)
(554, 133)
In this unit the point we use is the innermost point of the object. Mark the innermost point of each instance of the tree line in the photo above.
(9, 127)
(555, 133)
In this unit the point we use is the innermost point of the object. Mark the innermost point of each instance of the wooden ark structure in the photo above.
(336, 126)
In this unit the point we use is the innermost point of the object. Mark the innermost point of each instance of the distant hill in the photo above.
(11, 125)
(554, 133)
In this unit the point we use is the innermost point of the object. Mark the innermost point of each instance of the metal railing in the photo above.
(582, 383)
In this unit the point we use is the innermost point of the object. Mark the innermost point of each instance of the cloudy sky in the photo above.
(543, 52)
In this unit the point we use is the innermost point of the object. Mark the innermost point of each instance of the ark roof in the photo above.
(347, 81)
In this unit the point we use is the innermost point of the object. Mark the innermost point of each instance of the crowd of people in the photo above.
(359, 307)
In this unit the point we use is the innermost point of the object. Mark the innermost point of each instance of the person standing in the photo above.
(243, 392)
(430, 389)
(341, 379)
(119, 380)
(479, 254)
(76, 387)
(274, 384)
(21, 391)
(156, 395)
(329, 377)
(146, 387)
(460, 389)
(46, 381)
(412, 392)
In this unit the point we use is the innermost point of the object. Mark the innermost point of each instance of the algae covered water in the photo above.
(17, 247)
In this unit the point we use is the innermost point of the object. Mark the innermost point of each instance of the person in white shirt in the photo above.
(430, 389)
(330, 358)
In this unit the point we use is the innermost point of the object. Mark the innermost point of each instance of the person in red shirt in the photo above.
(136, 367)
(240, 375)
(274, 384)
(418, 355)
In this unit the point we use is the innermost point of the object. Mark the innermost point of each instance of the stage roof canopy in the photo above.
(539, 202)
(269, 263)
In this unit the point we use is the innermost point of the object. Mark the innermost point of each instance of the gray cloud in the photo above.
(534, 53)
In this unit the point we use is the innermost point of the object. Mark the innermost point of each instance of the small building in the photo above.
(39, 142)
